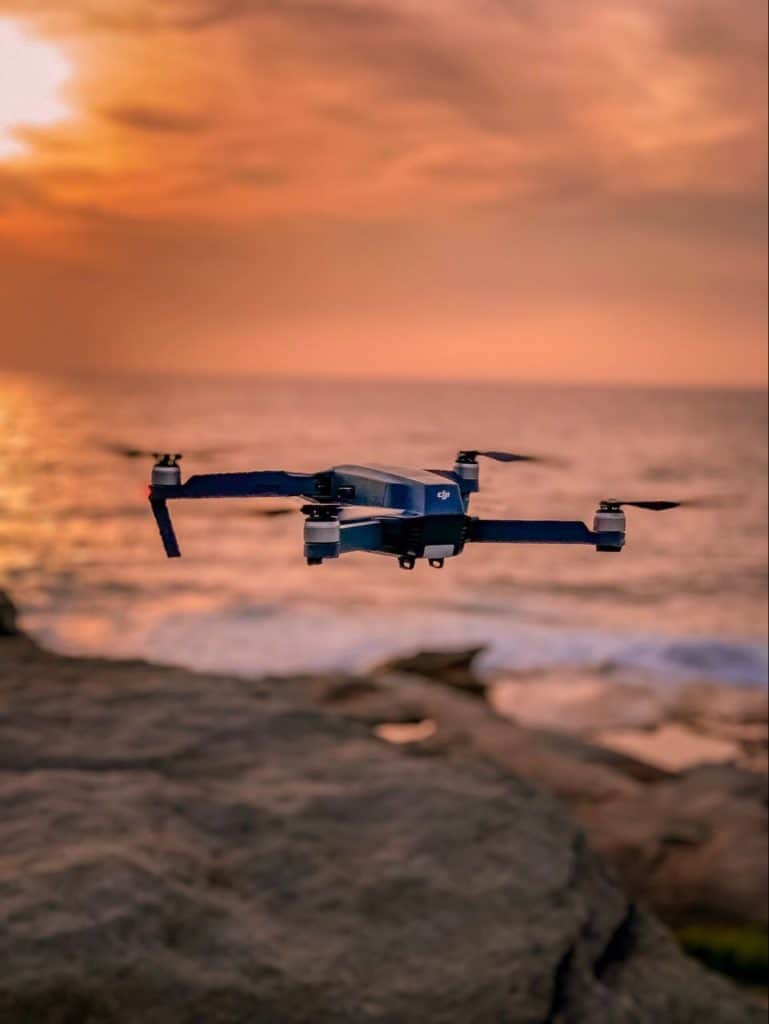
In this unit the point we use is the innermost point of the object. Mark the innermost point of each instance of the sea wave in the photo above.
(252, 640)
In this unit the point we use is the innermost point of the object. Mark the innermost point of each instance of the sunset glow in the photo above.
(32, 75)
(567, 192)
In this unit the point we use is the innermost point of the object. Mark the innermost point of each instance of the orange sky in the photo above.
(536, 189)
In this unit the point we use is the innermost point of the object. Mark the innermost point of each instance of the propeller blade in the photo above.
(126, 451)
(272, 513)
(509, 457)
(472, 454)
(650, 506)
(654, 506)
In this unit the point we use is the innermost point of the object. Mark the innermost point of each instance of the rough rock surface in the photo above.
(677, 728)
(693, 844)
(180, 848)
(574, 702)
(452, 668)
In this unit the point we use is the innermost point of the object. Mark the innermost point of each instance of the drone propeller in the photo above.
(272, 513)
(129, 452)
(612, 505)
(472, 455)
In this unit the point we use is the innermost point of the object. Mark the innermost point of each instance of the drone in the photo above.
(424, 513)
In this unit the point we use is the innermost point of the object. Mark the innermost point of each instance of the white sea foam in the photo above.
(255, 641)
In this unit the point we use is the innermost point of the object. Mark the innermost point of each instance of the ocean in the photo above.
(686, 599)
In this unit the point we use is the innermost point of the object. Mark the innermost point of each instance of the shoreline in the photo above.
(243, 642)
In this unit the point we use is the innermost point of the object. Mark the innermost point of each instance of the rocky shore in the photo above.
(670, 787)
(388, 849)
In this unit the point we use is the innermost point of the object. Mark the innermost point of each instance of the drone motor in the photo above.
(609, 518)
(467, 469)
(166, 471)
(322, 533)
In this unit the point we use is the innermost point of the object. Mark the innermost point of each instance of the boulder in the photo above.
(181, 848)
(453, 668)
(573, 702)
(676, 729)
(672, 746)
(732, 714)
(693, 844)
(713, 702)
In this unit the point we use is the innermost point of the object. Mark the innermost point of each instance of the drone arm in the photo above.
(263, 484)
(165, 526)
(534, 531)
(228, 485)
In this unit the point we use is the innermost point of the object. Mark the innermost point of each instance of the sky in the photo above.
(523, 189)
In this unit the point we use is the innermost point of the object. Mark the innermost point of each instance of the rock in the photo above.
(8, 616)
(693, 845)
(454, 668)
(671, 746)
(180, 848)
(674, 730)
(730, 714)
(468, 727)
(574, 703)
(712, 702)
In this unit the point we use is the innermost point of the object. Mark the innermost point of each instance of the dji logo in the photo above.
(444, 495)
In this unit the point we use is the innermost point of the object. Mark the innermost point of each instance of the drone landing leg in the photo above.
(165, 526)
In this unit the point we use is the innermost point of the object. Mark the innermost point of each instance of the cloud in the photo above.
(378, 107)
(259, 175)
(594, 294)
(156, 119)
(707, 29)
(14, 187)
(426, 168)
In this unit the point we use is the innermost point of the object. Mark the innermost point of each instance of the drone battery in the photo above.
(321, 538)
(610, 522)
